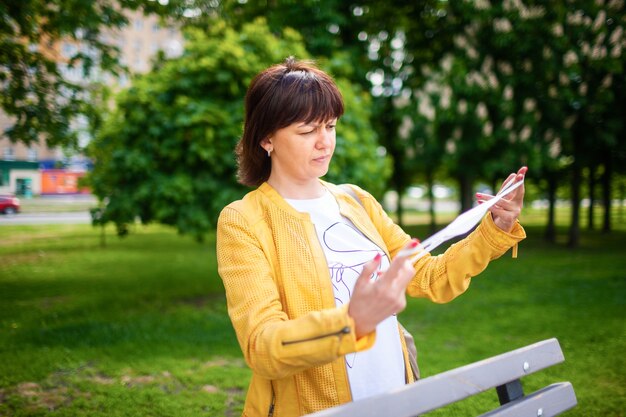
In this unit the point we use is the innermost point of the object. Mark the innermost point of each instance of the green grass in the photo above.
(139, 327)
(136, 328)
(577, 296)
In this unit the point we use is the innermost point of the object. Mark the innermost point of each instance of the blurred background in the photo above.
(119, 118)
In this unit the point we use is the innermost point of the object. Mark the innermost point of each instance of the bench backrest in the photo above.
(502, 372)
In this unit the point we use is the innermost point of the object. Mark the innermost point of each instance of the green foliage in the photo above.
(166, 152)
(311, 18)
(358, 157)
(33, 91)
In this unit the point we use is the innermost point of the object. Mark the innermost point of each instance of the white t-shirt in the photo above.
(380, 368)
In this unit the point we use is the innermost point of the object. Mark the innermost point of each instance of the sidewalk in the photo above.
(58, 203)
(68, 217)
(52, 209)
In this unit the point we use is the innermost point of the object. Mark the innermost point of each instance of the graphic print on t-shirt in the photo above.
(344, 276)
(346, 249)
(349, 245)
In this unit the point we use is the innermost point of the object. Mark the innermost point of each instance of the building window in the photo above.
(68, 49)
(9, 154)
(138, 66)
(31, 155)
(156, 27)
(138, 24)
(72, 74)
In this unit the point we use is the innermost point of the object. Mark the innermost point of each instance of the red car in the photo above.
(9, 204)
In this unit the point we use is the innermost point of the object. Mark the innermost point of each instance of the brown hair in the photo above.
(294, 91)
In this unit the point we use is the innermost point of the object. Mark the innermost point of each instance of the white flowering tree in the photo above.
(530, 84)
(592, 87)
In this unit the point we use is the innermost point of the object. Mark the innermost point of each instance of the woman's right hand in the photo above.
(373, 301)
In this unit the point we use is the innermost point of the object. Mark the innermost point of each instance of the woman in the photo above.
(312, 275)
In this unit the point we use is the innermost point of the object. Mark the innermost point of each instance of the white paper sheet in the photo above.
(462, 224)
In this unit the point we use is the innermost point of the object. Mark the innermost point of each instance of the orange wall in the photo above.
(58, 181)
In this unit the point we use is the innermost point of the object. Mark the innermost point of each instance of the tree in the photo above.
(402, 37)
(592, 50)
(472, 106)
(526, 45)
(424, 135)
(166, 152)
(551, 86)
(33, 90)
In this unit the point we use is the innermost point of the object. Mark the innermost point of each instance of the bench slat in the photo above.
(448, 387)
(547, 402)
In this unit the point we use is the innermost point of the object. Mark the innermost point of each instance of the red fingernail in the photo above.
(413, 243)
(378, 257)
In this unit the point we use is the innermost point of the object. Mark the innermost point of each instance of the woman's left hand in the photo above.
(506, 211)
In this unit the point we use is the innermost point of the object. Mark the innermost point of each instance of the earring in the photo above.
(269, 151)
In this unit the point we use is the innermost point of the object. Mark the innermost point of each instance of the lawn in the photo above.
(135, 328)
(139, 327)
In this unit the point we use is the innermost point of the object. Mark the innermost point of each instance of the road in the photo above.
(78, 217)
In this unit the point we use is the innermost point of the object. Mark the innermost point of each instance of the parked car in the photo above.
(9, 204)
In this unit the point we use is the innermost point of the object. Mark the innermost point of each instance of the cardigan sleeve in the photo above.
(273, 345)
(442, 278)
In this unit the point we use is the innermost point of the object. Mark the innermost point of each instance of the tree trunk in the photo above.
(400, 207)
(399, 185)
(550, 233)
(606, 192)
(592, 191)
(622, 192)
(431, 202)
(389, 131)
(578, 132)
(465, 189)
(574, 228)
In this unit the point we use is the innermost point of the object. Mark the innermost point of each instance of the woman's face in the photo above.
(302, 151)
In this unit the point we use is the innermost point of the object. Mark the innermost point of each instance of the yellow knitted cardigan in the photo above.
(281, 302)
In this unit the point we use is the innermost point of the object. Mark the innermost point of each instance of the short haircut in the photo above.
(294, 91)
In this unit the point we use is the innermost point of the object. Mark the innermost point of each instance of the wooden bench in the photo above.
(502, 372)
